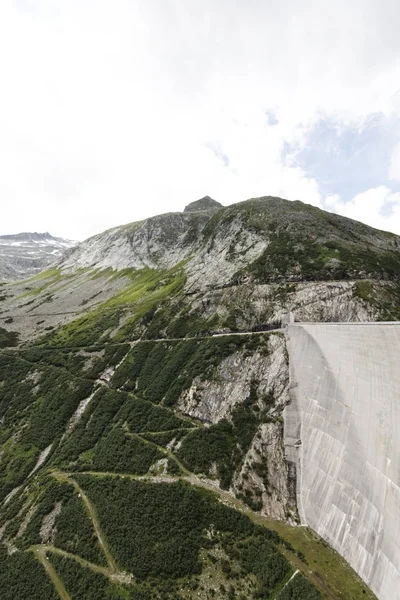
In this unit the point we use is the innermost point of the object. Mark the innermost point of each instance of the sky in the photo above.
(111, 112)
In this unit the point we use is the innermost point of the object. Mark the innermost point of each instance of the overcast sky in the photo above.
(113, 111)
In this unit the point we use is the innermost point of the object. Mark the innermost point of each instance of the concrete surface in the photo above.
(342, 429)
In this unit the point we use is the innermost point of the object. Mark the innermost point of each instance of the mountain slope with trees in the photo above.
(142, 386)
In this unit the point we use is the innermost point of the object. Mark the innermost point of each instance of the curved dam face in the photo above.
(342, 430)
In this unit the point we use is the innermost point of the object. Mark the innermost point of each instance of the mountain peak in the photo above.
(205, 203)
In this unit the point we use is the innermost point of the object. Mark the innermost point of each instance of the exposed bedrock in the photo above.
(342, 429)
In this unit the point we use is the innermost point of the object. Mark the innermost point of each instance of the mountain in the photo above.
(145, 381)
(268, 240)
(236, 268)
(25, 254)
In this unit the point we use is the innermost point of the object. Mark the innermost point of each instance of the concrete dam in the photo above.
(342, 431)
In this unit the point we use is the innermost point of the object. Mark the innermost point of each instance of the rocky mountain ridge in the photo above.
(25, 254)
(267, 239)
(225, 269)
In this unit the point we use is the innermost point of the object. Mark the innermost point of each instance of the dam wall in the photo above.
(342, 430)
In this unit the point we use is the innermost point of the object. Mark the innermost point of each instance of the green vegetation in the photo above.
(178, 541)
(143, 416)
(17, 383)
(45, 501)
(18, 455)
(141, 296)
(16, 463)
(95, 421)
(72, 529)
(384, 299)
(113, 448)
(42, 398)
(121, 453)
(204, 447)
(49, 278)
(181, 362)
(104, 439)
(134, 514)
(167, 526)
(340, 581)
(89, 362)
(8, 338)
(299, 588)
(164, 438)
(388, 302)
(56, 402)
(299, 257)
(89, 329)
(174, 319)
(84, 584)
(22, 577)
(307, 244)
(259, 557)
(164, 523)
(75, 533)
(80, 582)
(364, 290)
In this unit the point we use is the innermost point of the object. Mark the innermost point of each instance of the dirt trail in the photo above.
(40, 553)
(178, 339)
(82, 561)
(92, 513)
(119, 577)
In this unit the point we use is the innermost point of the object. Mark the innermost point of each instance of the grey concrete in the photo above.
(342, 430)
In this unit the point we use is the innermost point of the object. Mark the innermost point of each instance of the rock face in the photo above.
(211, 401)
(266, 474)
(25, 254)
(342, 431)
(263, 474)
(159, 242)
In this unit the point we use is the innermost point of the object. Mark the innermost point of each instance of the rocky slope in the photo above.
(124, 375)
(26, 254)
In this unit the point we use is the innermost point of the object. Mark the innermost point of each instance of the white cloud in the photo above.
(109, 111)
(394, 167)
(379, 208)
